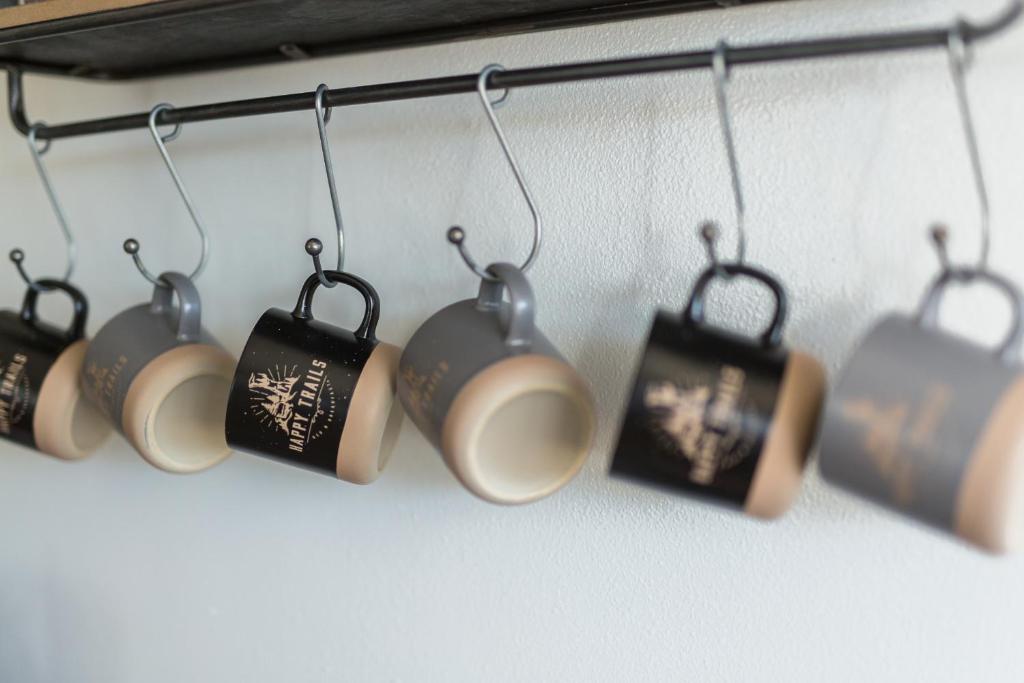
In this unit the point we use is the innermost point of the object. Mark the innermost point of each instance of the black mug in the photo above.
(718, 415)
(314, 395)
(41, 405)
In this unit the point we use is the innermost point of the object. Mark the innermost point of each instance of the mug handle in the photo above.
(694, 313)
(189, 306)
(519, 327)
(928, 314)
(80, 307)
(368, 327)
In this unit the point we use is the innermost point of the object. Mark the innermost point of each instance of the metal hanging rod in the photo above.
(516, 78)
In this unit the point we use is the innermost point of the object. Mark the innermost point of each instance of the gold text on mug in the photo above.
(884, 428)
(423, 387)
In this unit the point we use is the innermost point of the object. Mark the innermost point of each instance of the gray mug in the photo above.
(932, 425)
(512, 419)
(162, 380)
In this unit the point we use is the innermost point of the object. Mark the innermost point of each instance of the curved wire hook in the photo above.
(17, 256)
(457, 235)
(959, 61)
(131, 245)
(720, 69)
(315, 247)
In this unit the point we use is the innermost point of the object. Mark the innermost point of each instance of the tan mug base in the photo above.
(374, 418)
(990, 503)
(780, 467)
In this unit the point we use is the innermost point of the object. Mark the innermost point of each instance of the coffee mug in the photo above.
(721, 416)
(311, 394)
(512, 419)
(41, 405)
(162, 380)
(932, 425)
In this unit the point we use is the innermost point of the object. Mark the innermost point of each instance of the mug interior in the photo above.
(519, 430)
(530, 443)
(89, 428)
(65, 424)
(183, 428)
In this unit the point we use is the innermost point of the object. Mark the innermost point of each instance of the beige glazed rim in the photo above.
(779, 472)
(990, 502)
(374, 418)
(550, 418)
(65, 424)
(175, 408)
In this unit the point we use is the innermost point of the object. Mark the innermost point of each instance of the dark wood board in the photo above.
(173, 36)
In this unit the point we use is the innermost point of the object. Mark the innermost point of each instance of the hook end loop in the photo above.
(17, 257)
(939, 234)
(314, 248)
(456, 235)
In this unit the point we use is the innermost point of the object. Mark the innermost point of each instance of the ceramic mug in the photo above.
(311, 394)
(724, 417)
(162, 380)
(512, 419)
(932, 425)
(41, 405)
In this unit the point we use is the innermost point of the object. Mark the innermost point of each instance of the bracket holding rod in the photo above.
(516, 78)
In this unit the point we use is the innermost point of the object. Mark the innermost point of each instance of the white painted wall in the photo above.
(112, 571)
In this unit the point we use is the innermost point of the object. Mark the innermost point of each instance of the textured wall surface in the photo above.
(111, 571)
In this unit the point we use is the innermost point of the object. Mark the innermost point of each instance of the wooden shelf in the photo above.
(134, 38)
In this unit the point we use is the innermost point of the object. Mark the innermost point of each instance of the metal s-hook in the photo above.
(720, 70)
(315, 247)
(131, 245)
(457, 235)
(959, 61)
(17, 256)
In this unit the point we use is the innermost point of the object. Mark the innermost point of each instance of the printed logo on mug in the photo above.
(311, 394)
(721, 416)
(512, 419)
(930, 424)
(162, 380)
(41, 405)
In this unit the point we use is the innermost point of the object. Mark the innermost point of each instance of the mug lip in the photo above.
(143, 400)
(556, 375)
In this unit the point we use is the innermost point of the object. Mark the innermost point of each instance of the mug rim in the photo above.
(154, 384)
(457, 445)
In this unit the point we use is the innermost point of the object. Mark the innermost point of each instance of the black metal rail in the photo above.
(518, 78)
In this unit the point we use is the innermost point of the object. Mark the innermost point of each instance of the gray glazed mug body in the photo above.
(146, 353)
(472, 359)
(923, 422)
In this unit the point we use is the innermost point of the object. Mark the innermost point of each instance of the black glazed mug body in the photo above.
(40, 403)
(721, 416)
(315, 395)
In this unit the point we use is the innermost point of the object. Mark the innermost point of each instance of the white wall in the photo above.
(111, 571)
